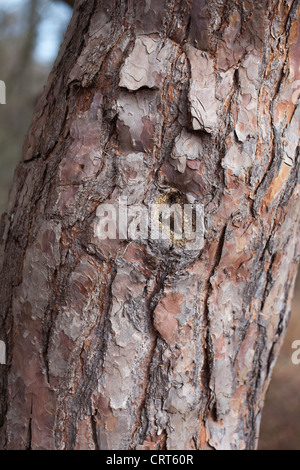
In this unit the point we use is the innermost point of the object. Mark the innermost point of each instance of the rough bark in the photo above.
(128, 345)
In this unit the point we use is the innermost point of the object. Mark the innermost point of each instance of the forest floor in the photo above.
(280, 428)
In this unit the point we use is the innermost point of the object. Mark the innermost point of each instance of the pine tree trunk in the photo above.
(127, 344)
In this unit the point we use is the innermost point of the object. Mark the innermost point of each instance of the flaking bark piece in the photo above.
(148, 63)
(203, 103)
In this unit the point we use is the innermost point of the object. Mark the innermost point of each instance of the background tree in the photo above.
(24, 74)
(122, 344)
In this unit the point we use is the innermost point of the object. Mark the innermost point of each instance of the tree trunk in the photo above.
(148, 344)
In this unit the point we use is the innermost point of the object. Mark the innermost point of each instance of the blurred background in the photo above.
(30, 35)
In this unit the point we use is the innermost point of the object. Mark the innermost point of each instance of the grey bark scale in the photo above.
(147, 345)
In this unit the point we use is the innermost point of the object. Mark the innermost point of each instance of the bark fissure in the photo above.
(29, 437)
(208, 346)
(94, 430)
(87, 384)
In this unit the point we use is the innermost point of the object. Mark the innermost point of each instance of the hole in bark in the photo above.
(171, 197)
(214, 413)
(170, 220)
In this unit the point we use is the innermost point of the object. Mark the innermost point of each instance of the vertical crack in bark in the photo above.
(269, 283)
(255, 388)
(141, 409)
(29, 436)
(94, 432)
(77, 404)
(164, 270)
(47, 329)
(208, 348)
(188, 28)
(283, 319)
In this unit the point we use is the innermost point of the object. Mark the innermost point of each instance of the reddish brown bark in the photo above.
(128, 345)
